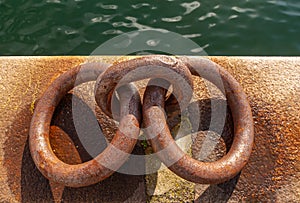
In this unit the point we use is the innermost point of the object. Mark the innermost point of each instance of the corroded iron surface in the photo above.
(144, 68)
(114, 156)
(106, 162)
(182, 164)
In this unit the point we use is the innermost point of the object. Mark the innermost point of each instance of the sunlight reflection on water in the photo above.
(59, 27)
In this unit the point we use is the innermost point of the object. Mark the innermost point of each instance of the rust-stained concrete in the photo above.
(272, 174)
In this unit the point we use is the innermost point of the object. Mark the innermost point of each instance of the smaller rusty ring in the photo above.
(170, 69)
(183, 165)
(96, 169)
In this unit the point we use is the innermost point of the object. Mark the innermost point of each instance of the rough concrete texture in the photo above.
(166, 186)
(272, 174)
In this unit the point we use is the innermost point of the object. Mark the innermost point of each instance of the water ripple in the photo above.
(108, 6)
(183, 26)
(192, 35)
(232, 17)
(208, 15)
(216, 7)
(94, 18)
(133, 23)
(190, 7)
(153, 42)
(140, 5)
(210, 25)
(173, 19)
(291, 13)
(242, 10)
(54, 1)
(200, 49)
(97, 19)
(112, 32)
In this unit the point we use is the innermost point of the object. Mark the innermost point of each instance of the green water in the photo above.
(54, 27)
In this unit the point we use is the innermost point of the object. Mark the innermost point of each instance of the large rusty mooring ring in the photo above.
(98, 168)
(115, 77)
(186, 167)
(172, 70)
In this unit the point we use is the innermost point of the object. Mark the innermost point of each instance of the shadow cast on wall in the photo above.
(219, 192)
(202, 110)
(29, 185)
(35, 187)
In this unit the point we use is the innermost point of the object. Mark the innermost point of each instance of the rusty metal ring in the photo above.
(96, 169)
(170, 69)
(186, 167)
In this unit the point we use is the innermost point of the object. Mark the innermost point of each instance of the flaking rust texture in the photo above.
(273, 89)
(272, 86)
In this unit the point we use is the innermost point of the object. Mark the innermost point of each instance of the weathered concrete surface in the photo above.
(272, 174)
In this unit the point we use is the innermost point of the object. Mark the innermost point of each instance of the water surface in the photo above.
(77, 27)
